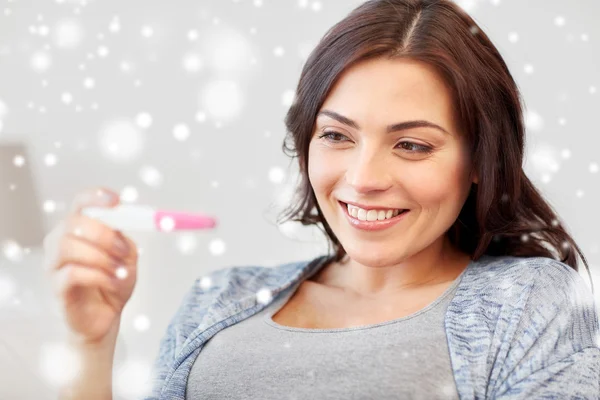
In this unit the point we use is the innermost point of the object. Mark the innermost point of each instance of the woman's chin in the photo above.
(372, 256)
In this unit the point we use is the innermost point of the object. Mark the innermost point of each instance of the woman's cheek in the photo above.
(431, 185)
(315, 170)
(323, 168)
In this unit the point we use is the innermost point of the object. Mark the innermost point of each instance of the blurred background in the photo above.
(180, 105)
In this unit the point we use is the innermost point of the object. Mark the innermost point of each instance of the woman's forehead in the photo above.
(403, 82)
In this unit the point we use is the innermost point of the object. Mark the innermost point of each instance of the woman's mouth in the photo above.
(372, 225)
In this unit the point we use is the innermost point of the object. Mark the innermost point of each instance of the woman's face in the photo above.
(363, 163)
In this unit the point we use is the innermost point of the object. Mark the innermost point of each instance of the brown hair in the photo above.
(504, 213)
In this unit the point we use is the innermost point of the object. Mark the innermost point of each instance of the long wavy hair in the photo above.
(504, 213)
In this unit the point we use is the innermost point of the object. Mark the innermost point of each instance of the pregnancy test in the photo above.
(147, 219)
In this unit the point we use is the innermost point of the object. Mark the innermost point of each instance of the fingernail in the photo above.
(104, 196)
(121, 247)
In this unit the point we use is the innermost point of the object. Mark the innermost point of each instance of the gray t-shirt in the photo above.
(256, 358)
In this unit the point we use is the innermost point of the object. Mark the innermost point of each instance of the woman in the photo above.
(451, 276)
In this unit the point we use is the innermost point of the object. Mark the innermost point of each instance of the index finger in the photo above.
(98, 196)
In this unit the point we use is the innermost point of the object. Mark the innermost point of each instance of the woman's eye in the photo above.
(329, 135)
(408, 147)
(420, 148)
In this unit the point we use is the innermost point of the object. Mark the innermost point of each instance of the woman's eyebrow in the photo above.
(391, 128)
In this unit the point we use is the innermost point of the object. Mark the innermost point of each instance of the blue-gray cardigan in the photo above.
(517, 327)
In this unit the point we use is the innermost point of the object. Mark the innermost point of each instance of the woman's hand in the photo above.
(93, 269)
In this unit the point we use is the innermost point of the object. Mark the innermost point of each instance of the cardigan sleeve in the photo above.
(169, 344)
(576, 376)
(196, 303)
(555, 349)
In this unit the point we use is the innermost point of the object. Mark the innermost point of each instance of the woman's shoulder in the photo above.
(532, 288)
(510, 270)
(239, 282)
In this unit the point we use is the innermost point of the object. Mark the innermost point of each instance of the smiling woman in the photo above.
(451, 277)
(408, 104)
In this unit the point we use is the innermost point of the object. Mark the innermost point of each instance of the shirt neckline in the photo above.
(286, 295)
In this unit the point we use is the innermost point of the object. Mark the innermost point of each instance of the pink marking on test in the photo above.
(185, 220)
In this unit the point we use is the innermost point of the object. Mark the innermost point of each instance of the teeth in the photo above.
(371, 215)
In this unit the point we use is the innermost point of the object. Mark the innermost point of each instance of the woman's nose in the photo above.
(368, 172)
